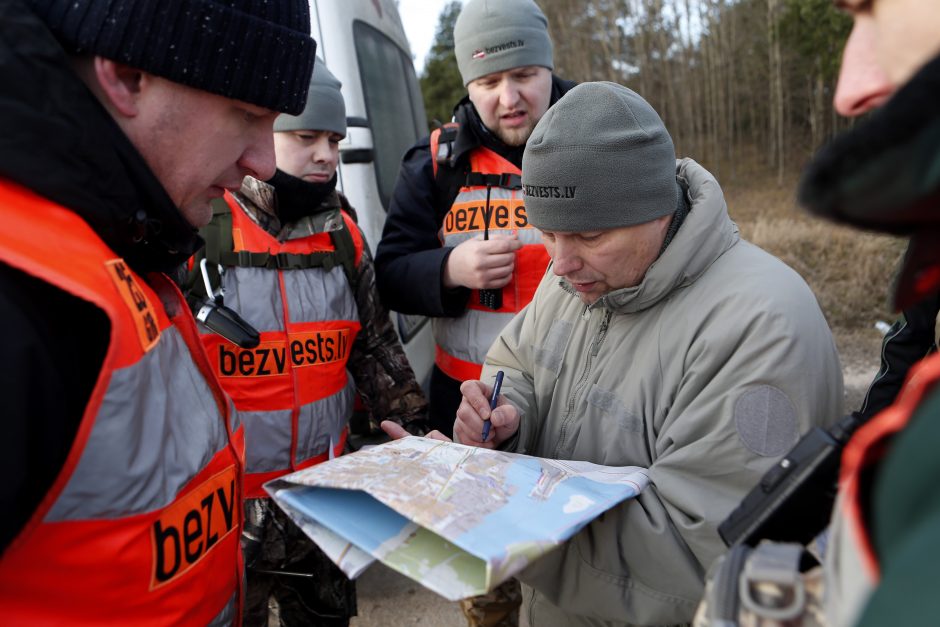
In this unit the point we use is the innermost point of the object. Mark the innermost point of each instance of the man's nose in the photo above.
(508, 94)
(564, 259)
(258, 156)
(863, 84)
(321, 150)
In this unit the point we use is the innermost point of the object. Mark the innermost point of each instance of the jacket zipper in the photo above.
(595, 348)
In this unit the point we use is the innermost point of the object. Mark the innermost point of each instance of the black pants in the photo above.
(444, 400)
(287, 567)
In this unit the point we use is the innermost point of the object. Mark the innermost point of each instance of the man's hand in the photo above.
(397, 432)
(475, 408)
(482, 264)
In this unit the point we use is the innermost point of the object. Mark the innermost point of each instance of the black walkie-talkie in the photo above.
(222, 320)
(489, 298)
(793, 500)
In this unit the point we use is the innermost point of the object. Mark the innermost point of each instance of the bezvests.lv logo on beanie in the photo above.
(509, 45)
(550, 191)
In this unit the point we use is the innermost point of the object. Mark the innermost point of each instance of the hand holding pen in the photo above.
(494, 398)
(484, 418)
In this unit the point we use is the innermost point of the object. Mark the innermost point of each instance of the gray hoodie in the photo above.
(706, 373)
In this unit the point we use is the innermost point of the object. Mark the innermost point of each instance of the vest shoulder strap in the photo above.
(448, 176)
(442, 146)
(220, 250)
(505, 179)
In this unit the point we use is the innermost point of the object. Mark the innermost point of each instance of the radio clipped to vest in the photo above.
(220, 319)
(489, 298)
(492, 298)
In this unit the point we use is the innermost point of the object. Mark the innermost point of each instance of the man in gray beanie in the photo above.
(120, 121)
(457, 245)
(297, 269)
(658, 339)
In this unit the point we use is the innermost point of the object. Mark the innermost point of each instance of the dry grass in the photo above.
(848, 270)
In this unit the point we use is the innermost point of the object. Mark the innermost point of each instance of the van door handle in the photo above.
(357, 155)
(357, 122)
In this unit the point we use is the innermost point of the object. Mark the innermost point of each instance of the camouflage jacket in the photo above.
(377, 361)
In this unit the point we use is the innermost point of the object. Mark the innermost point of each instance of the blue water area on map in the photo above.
(351, 514)
(525, 519)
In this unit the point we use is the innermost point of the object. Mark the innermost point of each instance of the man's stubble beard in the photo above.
(516, 136)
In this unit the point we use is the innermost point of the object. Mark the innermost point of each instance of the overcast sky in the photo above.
(420, 20)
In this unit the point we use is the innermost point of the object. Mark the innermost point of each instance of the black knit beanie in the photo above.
(256, 51)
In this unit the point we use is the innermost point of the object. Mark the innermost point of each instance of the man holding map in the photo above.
(659, 339)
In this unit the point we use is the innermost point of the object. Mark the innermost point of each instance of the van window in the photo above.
(393, 102)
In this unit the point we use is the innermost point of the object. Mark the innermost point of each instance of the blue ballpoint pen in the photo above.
(493, 399)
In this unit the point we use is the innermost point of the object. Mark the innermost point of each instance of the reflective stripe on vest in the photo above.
(293, 390)
(462, 342)
(142, 524)
(869, 445)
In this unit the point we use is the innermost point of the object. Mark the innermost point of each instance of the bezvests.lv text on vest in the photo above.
(464, 217)
(273, 357)
(188, 529)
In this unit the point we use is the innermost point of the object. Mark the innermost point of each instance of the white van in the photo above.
(364, 45)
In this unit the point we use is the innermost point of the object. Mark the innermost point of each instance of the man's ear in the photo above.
(120, 85)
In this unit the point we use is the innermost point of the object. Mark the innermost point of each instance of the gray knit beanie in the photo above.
(497, 35)
(599, 159)
(325, 110)
(256, 51)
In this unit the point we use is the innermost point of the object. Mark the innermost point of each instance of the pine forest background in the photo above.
(745, 88)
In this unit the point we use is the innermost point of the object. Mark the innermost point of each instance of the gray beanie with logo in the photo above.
(325, 110)
(599, 159)
(497, 35)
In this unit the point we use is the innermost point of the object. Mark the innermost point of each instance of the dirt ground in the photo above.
(387, 598)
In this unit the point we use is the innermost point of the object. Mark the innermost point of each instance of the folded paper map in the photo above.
(457, 519)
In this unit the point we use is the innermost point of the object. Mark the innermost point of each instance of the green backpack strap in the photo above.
(218, 236)
(218, 233)
(345, 249)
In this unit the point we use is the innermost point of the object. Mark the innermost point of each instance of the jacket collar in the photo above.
(884, 175)
(57, 140)
(259, 200)
(705, 235)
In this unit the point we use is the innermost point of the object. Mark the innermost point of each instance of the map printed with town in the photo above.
(457, 519)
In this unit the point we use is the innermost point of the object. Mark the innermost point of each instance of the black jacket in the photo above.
(56, 139)
(911, 338)
(409, 260)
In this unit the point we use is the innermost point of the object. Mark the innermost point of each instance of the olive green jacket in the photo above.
(705, 373)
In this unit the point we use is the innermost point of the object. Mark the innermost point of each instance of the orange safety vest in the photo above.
(142, 524)
(462, 342)
(293, 391)
(868, 447)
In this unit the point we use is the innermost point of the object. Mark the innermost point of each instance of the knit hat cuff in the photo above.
(558, 198)
(200, 43)
(325, 111)
(503, 49)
